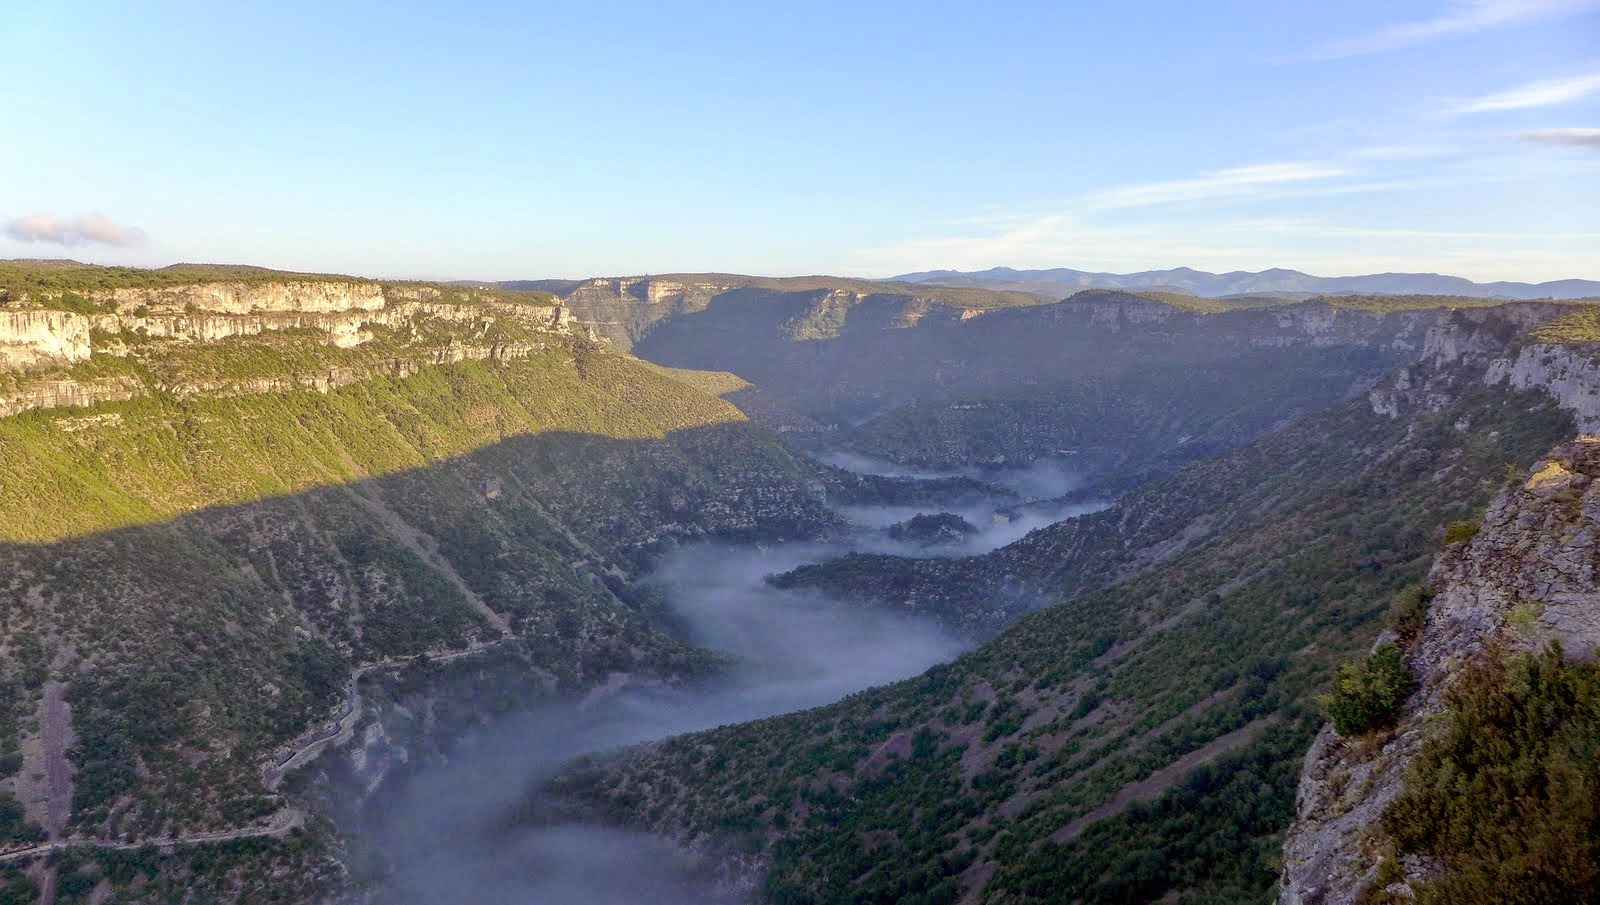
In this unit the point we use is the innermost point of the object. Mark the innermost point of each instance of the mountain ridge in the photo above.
(1242, 282)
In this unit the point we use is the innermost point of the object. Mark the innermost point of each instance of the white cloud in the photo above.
(1579, 137)
(1229, 183)
(85, 230)
(1463, 17)
(1544, 93)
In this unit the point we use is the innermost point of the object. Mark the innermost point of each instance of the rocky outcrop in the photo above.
(311, 296)
(65, 392)
(345, 329)
(40, 345)
(1531, 575)
(38, 338)
(1570, 373)
(39, 334)
(623, 309)
(1495, 343)
(1314, 323)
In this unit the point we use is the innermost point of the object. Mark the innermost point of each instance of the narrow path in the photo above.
(407, 534)
(284, 821)
(282, 824)
(1163, 779)
(57, 738)
(47, 886)
(343, 726)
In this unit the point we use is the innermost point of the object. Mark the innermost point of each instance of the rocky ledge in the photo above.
(1530, 576)
(51, 357)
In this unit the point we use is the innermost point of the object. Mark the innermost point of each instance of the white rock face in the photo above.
(345, 313)
(38, 338)
(1570, 373)
(249, 298)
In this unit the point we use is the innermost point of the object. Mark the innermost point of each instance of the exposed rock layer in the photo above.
(1530, 576)
(39, 346)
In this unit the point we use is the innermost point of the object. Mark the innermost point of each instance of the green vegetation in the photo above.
(1368, 694)
(13, 826)
(15, 887)
(1179, 300)
(1464, 530)
(1131, 425)
(171, 454)
(73, 276)
(939, 528)
(1386, 303)
(1579, 326)
(203, 569)
(1063, 759)
(1409, 612)
(1507, 796)
(245, 871)
(67, 285)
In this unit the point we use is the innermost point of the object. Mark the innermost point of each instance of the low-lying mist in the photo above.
(1042, 479)
(1000, 521)
(444, 831)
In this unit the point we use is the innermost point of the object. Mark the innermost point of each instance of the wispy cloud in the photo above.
(1187, 221)
(1578, 137)
(1459, 18)
(85, 230)
(1402, 152)
(1543, 93)
(1217, 184)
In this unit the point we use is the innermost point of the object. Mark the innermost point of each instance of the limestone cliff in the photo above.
(51, 357)
(36, 338)
(1500, 343)
(1531, 575)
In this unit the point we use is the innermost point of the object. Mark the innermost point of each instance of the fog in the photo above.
(446, 833)
(1042, 479)
(999, 520)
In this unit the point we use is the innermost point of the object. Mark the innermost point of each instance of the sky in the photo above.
(481, 140)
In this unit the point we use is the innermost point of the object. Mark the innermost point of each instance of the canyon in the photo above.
(423, 531)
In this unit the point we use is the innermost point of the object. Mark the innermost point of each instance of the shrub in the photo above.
(1409, 612)
(1508, 795)
(1368, 694)
(1460, 531)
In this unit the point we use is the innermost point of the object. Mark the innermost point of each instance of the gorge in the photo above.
(810, 590)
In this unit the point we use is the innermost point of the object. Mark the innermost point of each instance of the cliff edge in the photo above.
(1530, 576)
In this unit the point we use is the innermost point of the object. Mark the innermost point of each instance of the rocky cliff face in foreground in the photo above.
(1530, 576)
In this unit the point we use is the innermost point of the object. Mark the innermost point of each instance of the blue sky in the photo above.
(506, 140)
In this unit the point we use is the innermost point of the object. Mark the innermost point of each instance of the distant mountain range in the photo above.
(1062, 280)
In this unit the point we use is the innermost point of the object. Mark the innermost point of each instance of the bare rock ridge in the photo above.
(1499, 343)
(40, 343)
(1531, 575)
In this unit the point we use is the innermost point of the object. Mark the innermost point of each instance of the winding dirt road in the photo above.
(344, 722)
(282, 824)
(296, 756)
